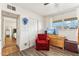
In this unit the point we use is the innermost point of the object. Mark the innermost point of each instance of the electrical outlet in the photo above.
(25, 44)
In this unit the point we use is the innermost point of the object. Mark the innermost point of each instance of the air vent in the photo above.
(11, 7)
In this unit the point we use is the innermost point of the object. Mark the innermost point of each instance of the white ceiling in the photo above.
(50, 9)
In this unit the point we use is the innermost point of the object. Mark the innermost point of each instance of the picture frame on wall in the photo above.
(25, 20)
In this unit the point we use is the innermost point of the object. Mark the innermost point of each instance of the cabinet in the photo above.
(56, 40)
(71, 46)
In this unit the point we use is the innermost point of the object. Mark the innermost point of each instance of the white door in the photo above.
(32, 31)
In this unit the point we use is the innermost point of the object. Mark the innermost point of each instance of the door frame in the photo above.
(9, 15)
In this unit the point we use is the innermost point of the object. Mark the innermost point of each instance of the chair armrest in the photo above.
(36, 40)
(48, 38)
(48, 42)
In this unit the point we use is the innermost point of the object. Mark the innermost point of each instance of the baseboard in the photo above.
(18, 47)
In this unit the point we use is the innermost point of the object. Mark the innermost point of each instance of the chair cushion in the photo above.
(42, 36)
(42, 41)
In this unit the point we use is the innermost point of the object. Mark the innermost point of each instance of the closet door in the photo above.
(32, 31)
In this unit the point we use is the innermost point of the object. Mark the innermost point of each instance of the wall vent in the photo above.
(11, 7)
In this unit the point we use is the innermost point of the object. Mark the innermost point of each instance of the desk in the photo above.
(56, 40)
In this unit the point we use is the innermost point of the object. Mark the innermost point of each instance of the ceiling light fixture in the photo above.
(55, 4)
(46, 3)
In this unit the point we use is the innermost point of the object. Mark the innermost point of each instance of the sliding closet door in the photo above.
(32, 31)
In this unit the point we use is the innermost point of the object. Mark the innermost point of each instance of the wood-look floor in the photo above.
(54, 51)
(11, 49)
(10, 46)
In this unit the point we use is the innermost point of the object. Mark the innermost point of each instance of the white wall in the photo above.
(0, 28)
(27, 32)
(68, 14)
(69, 34)
(47, 22)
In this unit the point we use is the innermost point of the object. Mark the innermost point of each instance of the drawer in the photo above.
(58, 43)
(53, 42)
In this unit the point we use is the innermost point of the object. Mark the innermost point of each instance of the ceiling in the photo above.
(50, 9)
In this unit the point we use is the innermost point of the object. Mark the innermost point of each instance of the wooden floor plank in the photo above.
(54, 51)
(10, 46)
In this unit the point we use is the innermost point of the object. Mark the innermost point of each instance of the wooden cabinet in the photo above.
(56, 40)
(71, 46)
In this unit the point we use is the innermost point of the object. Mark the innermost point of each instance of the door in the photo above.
(32, 31)
(9, 33)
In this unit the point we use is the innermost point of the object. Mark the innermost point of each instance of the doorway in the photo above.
(10, 34)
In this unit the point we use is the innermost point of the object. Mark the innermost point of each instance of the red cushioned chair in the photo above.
(42, 43)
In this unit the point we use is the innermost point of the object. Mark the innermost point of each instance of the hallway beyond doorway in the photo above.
(10, 46)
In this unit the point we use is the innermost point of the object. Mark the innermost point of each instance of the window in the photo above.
(52, 31)
(57, 24)
(71, 23)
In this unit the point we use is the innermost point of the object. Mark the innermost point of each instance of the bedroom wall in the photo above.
(69, 34)
(28, 32)
(0, 28)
